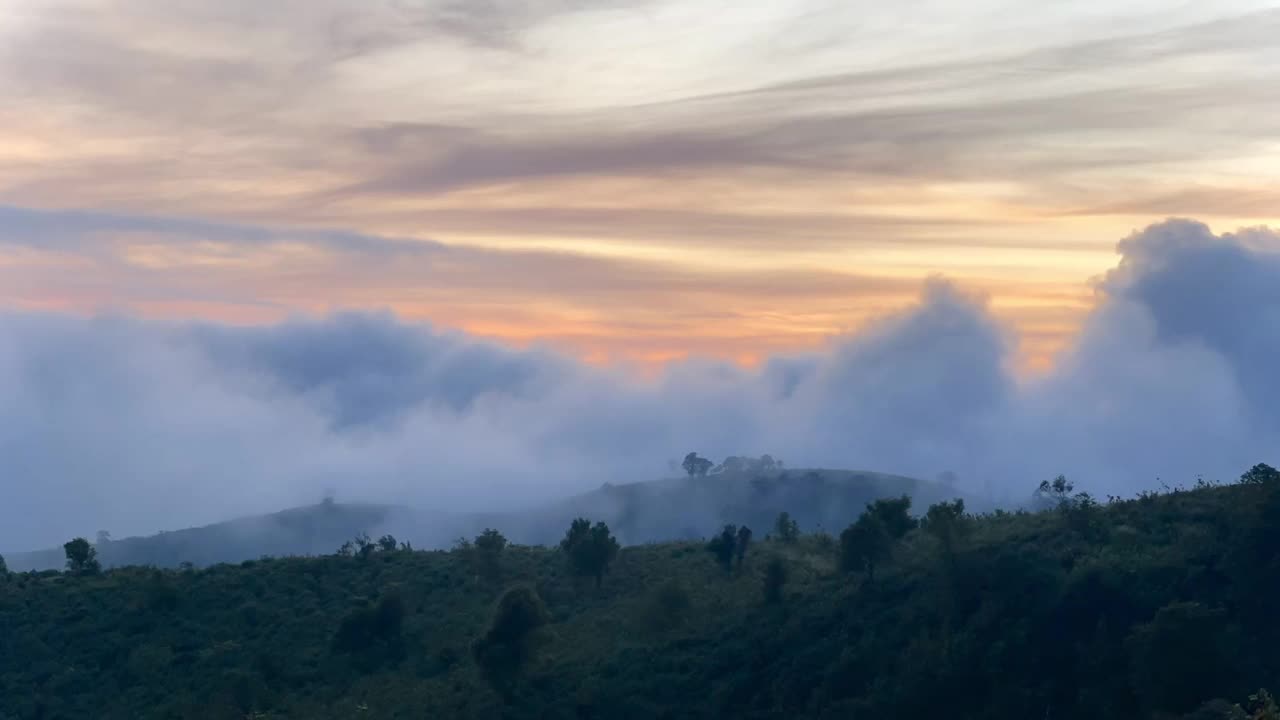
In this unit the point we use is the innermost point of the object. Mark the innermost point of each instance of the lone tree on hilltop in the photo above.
(591, 548)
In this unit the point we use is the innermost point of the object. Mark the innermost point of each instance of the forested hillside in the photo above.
(1162, 606)
(674, 508)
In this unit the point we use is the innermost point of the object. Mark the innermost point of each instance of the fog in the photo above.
(135, 426)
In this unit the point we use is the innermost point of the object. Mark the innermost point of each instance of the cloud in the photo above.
(158, 266)
(213, 106)
(135, 425)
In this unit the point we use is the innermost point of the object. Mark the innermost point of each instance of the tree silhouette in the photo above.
(946, 522)
(722, 546)
(696, 466)
(591, 548)
(1057, 491)
(364, 545)
(82, 559)
(488, 549)
(894, 514)
(1261, 474)
(864, 544)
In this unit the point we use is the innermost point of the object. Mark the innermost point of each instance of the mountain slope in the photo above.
(679, 508)
(1158, 607)
(312, 530)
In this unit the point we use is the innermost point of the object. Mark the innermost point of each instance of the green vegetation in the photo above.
(82, 558)
(786, 529)
(590, 548)
(1161, 606)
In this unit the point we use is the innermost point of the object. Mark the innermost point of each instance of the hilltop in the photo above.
(689, 508)
(1160, 606)
(669, 509)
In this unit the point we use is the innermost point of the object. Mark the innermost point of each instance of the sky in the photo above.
(624, 180)
(253, 252)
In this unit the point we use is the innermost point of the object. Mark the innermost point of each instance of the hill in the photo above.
(690, 507)
(1157, 607)
(678, 508)
(312, 530)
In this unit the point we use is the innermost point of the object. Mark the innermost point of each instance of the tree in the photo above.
(488, 549)
(509, 644)
(740, 545)
(775, 578)
(696, 466)
(1261, 474)
(864, 544)
(103, 537)
(591, 548)
(387, 543)
(364, 545)
(722, 546)
(786, 529)
(946, 522)
(733, 464)
(767, 463)
(4, 568)
(1057, 491)
(82, 559)
(894, 515)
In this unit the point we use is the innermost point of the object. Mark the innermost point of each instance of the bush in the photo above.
(509, 644)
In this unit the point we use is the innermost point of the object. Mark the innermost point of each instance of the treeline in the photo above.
(1161, 606)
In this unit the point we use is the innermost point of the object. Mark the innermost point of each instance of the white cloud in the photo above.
(136, 426)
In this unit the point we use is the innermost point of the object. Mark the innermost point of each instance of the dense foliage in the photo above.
(1161, 606)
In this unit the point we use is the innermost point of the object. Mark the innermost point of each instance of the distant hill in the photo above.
(694, 507)
(662, 510)
(312, 530)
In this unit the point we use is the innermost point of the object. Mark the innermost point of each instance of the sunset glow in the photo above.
(630, 182)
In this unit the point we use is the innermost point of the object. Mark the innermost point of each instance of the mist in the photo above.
(134, 426)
